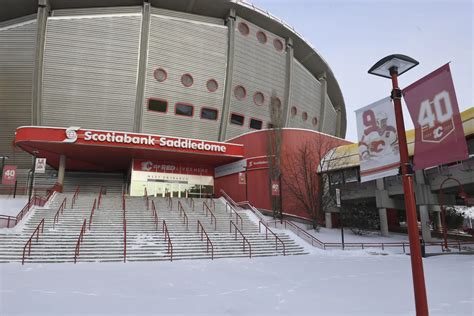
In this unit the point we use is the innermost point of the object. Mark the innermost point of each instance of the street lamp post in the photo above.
(391, 67)
(3, 162)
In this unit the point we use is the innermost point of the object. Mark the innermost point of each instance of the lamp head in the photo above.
(397, 63)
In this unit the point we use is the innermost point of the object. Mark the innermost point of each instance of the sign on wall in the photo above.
(230, 168)
(439, 135)
(275, 188)
(242, 178)
(171, 167)
(40, 166)
(9, 175)
(378, 142)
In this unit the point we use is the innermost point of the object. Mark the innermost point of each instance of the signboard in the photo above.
(338, 197)
(9, 175)
(230, 168)
(255, 163)
(439, 135)
(275, 188)
(171, 167)
(378, 141)
(242, 178)
(40, 166)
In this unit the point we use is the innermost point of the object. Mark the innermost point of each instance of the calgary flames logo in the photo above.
(436, 118)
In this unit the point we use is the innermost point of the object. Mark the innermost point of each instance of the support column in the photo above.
(437, 217)
(328, 219)
(425, 223)
(382, 211)
(141, 75)
(339, 123)
(324, 92)
(230, 21)
(288, 81)
(42, 17)
(61, 170)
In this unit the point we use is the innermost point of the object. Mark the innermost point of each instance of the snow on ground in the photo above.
(11, 206)
(322, 283)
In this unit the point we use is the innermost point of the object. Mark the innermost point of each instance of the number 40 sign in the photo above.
(439, 135)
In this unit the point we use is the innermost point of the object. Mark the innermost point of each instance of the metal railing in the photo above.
(74, 197)
(200, 229)
(277, 239)
(12, 221)
(170, 203)
(124, 230)
(190, 201)
(80, 239)
(29, 242)
(92, 213)
(230, 207)
(206, 208)
(147, 202)
(100, 198)
(185, 216)
(60, 211)
(244, 239)
(154, 213)
(168, 239)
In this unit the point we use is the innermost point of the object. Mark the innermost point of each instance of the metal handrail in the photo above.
(185, 217)
(213, 204)
(191, 203)
(228, 198)
(200, 229)
(60, 210)
(170, 203)
(29, 242)
(154, 214)
(100, 198)
(237, 215)
(80, 239)
(206, 208)
(168, 239)
(147, 202)
(92, 214)
(74, 197)
(124, 230)
(277, 239)
(244, 240)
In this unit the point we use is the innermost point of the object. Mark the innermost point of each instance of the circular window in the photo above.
(212, 85)
(187, 80)
(278, 44)
(315, 121)
(243, 28)
(262, 37)
(160, 74)
(294, 111)
(258, 98)
(240, 92)
(304, 116)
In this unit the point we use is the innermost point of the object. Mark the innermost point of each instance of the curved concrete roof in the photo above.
(303, 51)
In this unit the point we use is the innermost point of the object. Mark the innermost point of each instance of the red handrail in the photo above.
(124, 230)
(200, 229)
(154, 214)
(74, 197)
(170, 202)
(237, 216)
(277, 239)
(244, 240)
(80, 239)
(185, 217)
(168, 239)
(60, 211)
(100, 199)
(146, 200)
(92, 214)
(208, 210)
(29, 242)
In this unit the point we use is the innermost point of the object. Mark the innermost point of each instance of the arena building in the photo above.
(155, 94)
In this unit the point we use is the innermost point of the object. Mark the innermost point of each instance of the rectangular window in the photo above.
(184, 109)
(158, 105)
(237, 119)
(255, 124)
(208, 114)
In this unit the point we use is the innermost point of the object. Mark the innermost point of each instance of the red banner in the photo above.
(257, 163)
(9, 175)
(439, 135)
(275, 187)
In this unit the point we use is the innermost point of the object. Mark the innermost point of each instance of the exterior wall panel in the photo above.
(90, 71)
(181, 47)
(305, 96)
(17, 54)
(330, 118)
(257, 67)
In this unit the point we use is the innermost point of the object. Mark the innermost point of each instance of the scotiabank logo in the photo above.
(71, 134)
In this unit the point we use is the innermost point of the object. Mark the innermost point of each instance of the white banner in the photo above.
(40, 166)
(378, 142)
(230, 168)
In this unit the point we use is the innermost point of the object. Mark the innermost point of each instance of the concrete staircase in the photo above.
(104, 241)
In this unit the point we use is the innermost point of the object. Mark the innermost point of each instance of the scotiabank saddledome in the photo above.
(120, 73)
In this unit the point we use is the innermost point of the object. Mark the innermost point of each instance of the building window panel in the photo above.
(184, 109)
(208, 114)
(255, 124)
(158, 105)
(237, 119)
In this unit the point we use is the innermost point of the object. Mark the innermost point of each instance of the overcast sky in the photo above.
(351, 35)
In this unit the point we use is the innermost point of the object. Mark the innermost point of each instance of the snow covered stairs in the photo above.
(104, 241)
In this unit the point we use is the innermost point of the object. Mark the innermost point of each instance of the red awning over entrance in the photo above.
(96, 150)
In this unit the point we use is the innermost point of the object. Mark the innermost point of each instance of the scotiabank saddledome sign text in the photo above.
(149, 140)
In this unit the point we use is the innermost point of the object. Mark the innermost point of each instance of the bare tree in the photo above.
(274, 143)
(306, 185)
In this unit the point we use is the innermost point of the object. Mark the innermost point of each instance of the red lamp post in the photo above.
(391, 67)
